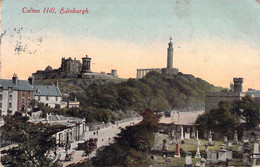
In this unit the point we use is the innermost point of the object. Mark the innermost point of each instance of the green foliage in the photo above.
(152, 91)
(34, 141)
(129, 148)
(226, 117)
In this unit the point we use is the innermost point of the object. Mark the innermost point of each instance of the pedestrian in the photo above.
(102, 139)
(109, 139)
(94, 133)
(97, 132)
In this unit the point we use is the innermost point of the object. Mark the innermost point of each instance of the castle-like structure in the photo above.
(234, 93)
(169, 71)
(71, 68)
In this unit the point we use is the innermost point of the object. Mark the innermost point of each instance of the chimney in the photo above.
(31, 80)
(15, 79)
(57, 84)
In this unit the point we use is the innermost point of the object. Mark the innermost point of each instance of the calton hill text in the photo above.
(53, 10)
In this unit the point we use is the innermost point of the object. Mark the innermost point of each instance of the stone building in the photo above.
(168, 72)
(71, 69)
(50, 95)
(235, 93)
(15, 95)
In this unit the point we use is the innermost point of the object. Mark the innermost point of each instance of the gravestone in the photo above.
(164, 148)
(210, 142)
(256, 153)
(225, 140)
(188, 159)
(246, 161)
(240, 148)
(230, 145)
(235, 138)
(209, 155)
(222, 155)
(214, 157)
(177, 150)
(198, 151)
(202, 162)
(182, 136)
(206, 147)
(229, 154)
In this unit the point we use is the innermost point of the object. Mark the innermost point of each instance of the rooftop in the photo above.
(21, 85)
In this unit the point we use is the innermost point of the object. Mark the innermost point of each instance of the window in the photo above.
(28, 100)
(29, 93)
(1, 96)
(47, 97)
(1, 89)
(0, 104)
(10, 97)
(22, 100)
(39, 98)
(56, 98)
(10, 105)
(22, 93)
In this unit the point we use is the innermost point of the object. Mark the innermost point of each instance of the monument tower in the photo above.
(170, 55)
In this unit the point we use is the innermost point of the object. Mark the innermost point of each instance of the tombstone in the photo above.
(198, 152)
(225, 140)
(222, 155)
(229, 154)
(210, 142)
(164, 148)
(254, 162)
(177, 150)
(235, 138)
(209, 155)
(187, 135)
(197, 164)
(256, 153)
(182, 137)
(230, 145)
(246, 161)
(206, 147)
(188, 159)
(202, 162)
(214, 157)
(223, 146)
(173, 134)
(240, 149)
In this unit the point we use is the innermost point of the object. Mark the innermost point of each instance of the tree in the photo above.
(34, 141)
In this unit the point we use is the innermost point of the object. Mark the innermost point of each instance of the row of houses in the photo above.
(16, 95)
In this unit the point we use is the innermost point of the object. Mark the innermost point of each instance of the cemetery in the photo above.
(173, 149)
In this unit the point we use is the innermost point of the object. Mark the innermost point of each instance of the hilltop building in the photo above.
(255, 94)
(169, 71)
(235, 93)
(71, 69)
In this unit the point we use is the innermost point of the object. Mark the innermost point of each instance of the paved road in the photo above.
(103, 139)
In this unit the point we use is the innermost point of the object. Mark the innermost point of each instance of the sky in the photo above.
(215, 40)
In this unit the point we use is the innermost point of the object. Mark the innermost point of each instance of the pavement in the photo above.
(103, 139)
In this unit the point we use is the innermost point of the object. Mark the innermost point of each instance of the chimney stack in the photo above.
(15, 79)
(31, 80)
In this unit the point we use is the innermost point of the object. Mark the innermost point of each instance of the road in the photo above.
(103, 139)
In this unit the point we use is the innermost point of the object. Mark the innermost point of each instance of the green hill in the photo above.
(153, 91)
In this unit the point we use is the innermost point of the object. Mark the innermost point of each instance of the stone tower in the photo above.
(86, 64)
(170, 55)
(238, 85)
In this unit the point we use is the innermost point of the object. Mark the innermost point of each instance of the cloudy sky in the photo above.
(215, 40)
